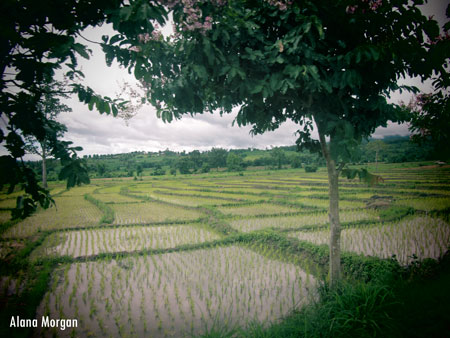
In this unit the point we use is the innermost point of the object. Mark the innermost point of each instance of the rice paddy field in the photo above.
(187, 255)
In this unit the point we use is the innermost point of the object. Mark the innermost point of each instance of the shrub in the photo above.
(395, 212)
(310, 169)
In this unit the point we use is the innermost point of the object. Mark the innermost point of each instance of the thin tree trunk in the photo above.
(335, 225)
(376, 160)
(44, 167)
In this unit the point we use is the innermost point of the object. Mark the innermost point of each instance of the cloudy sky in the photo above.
(102, 134)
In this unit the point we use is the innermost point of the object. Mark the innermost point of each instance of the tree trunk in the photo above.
(44, 167)
(335, 225)
(376, 160)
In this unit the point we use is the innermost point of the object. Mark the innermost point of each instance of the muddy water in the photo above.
(175, 294)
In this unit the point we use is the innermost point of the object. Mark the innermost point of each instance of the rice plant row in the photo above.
(189, 200)
(8, 203)
(122, 239)
(257, 209)
(298, 221)
(324, 203)
(426, 203)
(70, 212)
(424, 237)
(114, 198)
(176, 294)
(152, 212)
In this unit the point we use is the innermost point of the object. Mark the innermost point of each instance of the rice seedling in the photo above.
(5, 215)
(114, 198)
(298, 221)
(121, 239)
(152, 212)
(188, 191)
(193, 201)
(70, 212)
(197, 290)
(424, 237)
(257, 209)
(110, 189)
(426, 203)
(7, 202)
(191, 292)
(79, 190)
(324, 203)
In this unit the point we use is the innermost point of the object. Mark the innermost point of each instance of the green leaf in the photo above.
(279, 59)
(375, 53)
(114, 110)
(200, 70)
(275, 82)
(81, 49)
(208, 51)
(115, 38)
(257, 89)
(91, 103)
(75, 173)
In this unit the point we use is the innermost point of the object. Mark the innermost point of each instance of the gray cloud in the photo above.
(101, 134)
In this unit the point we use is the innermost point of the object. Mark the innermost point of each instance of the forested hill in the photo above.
(390, 149)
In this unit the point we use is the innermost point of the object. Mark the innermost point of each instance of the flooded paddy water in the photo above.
(175, 294)
(184, 256)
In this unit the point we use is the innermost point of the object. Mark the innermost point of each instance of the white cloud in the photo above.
(101, 134)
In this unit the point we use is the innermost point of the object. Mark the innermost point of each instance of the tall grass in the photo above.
(413, 304)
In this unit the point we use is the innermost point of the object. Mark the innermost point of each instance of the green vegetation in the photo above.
(395, 149)
(172, 244)
(108, 212)
(176, 255)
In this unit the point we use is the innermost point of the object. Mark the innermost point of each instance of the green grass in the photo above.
(412, 306)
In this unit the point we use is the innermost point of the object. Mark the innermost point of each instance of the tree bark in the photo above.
(335, 225)
(44, 167)
(376, 160)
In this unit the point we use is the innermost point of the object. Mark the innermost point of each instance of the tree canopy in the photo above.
(430, 121)
(336, 61)
(38, 39)
(325, 64)
(331, 64)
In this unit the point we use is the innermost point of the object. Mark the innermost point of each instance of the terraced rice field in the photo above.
(187, 255)
(176, 294)
(299, 221)
(424, 237)
(152, 212)
(70, 212)
(123, 239)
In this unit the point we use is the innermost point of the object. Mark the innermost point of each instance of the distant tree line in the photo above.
(391, 149)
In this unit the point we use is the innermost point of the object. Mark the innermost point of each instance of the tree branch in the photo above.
(323, 141)
(98, 43)
(341, 166)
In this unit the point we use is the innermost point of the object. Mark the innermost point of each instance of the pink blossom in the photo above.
(351, 9)
(439, 38)
(135, 49)
(144, 38)
(375, 4)
(372, 4)
(282, 5)
(219, 3)
(207, 25)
